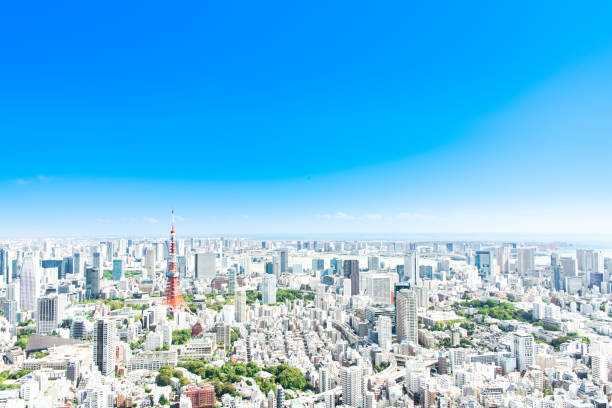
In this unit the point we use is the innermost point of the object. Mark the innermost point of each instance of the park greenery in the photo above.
(496, 310)
(166, 374)
(7, 375)
(380, 367)
(223, 378)
(181, 336)
(23, 338)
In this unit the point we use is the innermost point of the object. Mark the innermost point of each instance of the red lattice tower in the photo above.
(172, 294)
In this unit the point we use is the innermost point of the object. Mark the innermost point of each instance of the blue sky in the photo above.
(305, 117)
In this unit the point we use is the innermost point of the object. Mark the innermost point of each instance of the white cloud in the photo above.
(21, 182)
(417, 216)
(151, 220)
(44, 178)
(179, 218)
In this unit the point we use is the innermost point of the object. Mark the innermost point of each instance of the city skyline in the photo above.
(404, 128)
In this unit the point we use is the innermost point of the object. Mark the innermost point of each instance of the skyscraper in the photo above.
(241, 308)
(526, 260)
(383, 327)
(4, 266)
(205, 265)
(50, 313)
(231, 281)
(104, 346)
(92, 283)
(351, 271)
(118, 269)
(407, 318)
(352, 385)
(524, 350)
(269, 289)
(484, 263)
(411, 268)
(284, 261)
(280, 396)
(29, 284)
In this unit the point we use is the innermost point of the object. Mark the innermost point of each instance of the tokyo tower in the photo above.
(172, 294)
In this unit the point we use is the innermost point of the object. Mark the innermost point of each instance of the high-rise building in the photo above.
(384, 329)
(351, 271)
(352, 385)
(324, 380)
(526, 261)
(97, 260)
(201, 396)
(269, 268)
(9, 310)
(318, 264)
(411, 269)
(77, 264)
(4, 265)
(484, 263)
(205, 265)
(524, 350)
(118, 269)
(29, 284)
(503, 258)
(231, 281)
(284, 261)
(407, 318)
(104, 346)
(373, 263)
(241, 308)
(269, 289)
(67, 267)
(50, 313)
(92, 283)
(280, 396)
(599, 366)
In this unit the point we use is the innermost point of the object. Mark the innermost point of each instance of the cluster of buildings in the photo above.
(304, 323)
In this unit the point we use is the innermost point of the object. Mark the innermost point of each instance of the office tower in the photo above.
(77, 264)
(231, 281)
(72, 371)
(569, 266)
(92, 283)
(384, 328)
(78, 329)
(181, 265)
(411, 269)
(351, 271)
(4, 266)
(352, 385)
(484, 263)
(205, 265)
(280, 396)
(599, 366)
(150, 261)
(97, 260)
(118, 270)
(269, 268)
(241, 308)
(284, 261)
(318, 264)
(407, 318)
(524, 350)
(29, 284)
(9, 310)
(526, 260)
(335, 264)
(104, 346)
(269, 289)
(49, 314)
(67, 267)
(324, 380)
(373, 263)
(378, 287)
(503, 257)
(555, 259)
(558, 278)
